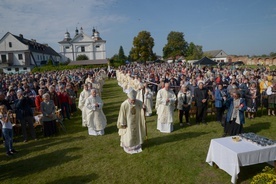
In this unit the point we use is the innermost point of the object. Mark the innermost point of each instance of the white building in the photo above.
(92, 46)
(19, 54)
(217, 55)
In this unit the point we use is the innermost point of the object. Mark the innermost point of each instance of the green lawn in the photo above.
(75, 157)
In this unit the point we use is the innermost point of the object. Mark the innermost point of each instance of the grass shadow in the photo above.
(112, 118)
(76, 179)
(172, 138)
(36, 164)
(34, 146)
(110, 129)
(257, 127)
(248, 172)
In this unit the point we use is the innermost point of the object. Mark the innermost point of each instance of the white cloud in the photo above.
(47, 21)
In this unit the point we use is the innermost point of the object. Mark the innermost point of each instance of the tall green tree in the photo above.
(118, 59)
(114, 60)
(121, 54)
(272, 54)
(194, 52)
(142, 47)
(176, 45)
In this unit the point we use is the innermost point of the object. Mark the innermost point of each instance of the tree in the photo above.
(114, 60)
(272, 54)
(50, 62)
(142, 47)
(194, 52)
(176, 45)
(118, 59)
(121, 54)
(82, 57)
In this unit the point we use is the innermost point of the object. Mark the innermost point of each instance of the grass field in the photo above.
(74, 157)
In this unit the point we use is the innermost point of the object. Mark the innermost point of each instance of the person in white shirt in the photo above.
(271, 95)
(184, 100)
(7, 130)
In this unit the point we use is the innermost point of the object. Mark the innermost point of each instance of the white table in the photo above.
(229, 155)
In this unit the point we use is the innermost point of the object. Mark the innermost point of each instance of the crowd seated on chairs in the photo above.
(32, 87)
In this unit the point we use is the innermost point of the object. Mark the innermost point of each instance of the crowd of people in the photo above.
(236, 93)
(26, 96)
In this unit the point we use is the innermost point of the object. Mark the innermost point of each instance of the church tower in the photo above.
(82, 44)
(67, 36)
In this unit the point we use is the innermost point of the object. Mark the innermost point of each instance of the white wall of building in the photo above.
(221, 59)
(14, 70)
(15, 44)
(10, 46)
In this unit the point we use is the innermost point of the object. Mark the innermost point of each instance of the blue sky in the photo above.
(240, 27)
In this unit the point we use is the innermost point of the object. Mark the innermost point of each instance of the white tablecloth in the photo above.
(229, 155)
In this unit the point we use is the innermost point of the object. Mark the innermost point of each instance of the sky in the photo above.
(239, 27)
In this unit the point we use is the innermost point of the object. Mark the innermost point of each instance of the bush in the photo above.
(82, 57)
(50, 62)
(268, 176)
(64, 67)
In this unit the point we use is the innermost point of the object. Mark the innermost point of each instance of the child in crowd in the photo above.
(7, 130)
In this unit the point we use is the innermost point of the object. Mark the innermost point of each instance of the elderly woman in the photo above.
(47, 108)
(235, 114)
(252, 100)
(271, 92)
(96, 120)
(184, 100)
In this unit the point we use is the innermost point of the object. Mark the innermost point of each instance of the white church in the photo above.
(82, 44)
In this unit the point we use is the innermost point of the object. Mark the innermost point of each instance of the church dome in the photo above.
(67, 36)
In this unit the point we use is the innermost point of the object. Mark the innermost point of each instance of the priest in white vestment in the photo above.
(96, 85)
(136, 83)
(145, 95)
(165, 102)
(127, 81)
(88, 79)
(131, 124)
(83, 96)
(96, 120)
(118, 76)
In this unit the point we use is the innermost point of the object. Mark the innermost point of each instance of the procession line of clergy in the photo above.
(165, 99)
(144, 93)
(91, 104)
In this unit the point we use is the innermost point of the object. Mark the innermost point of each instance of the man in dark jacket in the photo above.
(24, 114)
(201, 99)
